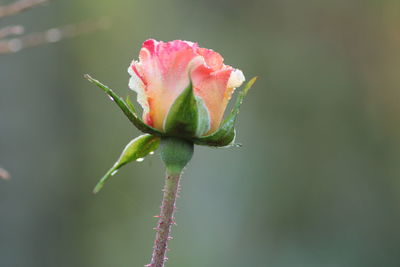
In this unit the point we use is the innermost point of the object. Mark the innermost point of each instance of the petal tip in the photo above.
(236, 79)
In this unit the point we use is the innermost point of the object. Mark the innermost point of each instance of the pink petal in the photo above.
(215, 82)
(212, 58)
(137, 84)
(165, 72)
(212, 88)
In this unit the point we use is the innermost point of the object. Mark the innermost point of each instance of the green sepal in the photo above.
(225, 135)
(187, 117)
(203, 117)
(139, 147)
(126, 109)
(130, 105)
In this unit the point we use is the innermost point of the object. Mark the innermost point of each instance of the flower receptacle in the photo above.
(176, 153)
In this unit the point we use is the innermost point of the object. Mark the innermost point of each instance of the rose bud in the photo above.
(184, 91)
(163, 73)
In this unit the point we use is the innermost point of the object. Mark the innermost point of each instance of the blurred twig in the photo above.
(11, 30)
(52, 35)
(4, 174)
(19, 6)
(35, 39)
(8, 45)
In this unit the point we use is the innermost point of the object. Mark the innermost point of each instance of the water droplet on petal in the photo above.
(140, 159)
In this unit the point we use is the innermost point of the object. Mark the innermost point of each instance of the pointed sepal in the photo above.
(127, 109)
(225, 135)
(130, 105)
(187, 117)
(137, 148)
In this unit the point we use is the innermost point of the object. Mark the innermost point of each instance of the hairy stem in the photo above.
(166, 219)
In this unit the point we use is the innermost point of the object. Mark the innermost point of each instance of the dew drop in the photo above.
(114, 172)
(111, 98)
(151, 153)
(140, 159)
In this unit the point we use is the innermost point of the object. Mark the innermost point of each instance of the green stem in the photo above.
(166, 220)
(175, 153)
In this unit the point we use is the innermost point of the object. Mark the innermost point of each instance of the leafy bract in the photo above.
(127, 109)
(137, 148)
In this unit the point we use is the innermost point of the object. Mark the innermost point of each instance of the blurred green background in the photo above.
(316, 182)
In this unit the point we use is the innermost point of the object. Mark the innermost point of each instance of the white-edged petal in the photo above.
(236, 79)
(137, 85)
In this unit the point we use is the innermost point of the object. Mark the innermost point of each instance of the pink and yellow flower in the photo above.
(184, 91)
(166, 69)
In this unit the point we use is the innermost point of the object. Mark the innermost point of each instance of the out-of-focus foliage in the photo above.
(316, 182)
